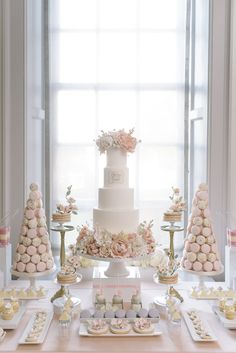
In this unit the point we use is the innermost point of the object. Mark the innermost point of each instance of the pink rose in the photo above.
(92, 249)
(127, 142)
(120, 248)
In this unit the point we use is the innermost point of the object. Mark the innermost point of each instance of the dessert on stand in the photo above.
(167, 273)
(33, 258)
(116, 235)
(201, 256)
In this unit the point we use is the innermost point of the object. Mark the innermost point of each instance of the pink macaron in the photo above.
(32, 223)
(42, 249)
(206, 213)
(188, 265)
(21, 249)
(202, 195)
(42, 231)
(208, 266)
(42, 222)
(31, 204)
(206, 222)
(20, 267)
(210, 239)
(216, 265)
(23, 230)
(195, 230)
(187, 245)
(197, 266)
(200, 239)
(191, 238)
(34, 195)
(34, 187)
(197, 221)
(31, 250)
(30, 267)
(202, 204)
(49, 264)
(203, 186)
(214, 248)
(45, 257)
(35, 258)
(41, 266)
(205, 248)
(196, 212)
(31, 233)
(206, 231)
(40, 212)
(29, 214)
(195, 247)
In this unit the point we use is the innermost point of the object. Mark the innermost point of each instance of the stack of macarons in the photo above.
(200, 249)
(33, 252)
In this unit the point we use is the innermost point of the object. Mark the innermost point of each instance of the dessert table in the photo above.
(174, 338)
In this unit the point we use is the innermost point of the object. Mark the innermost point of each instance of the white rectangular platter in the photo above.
(230, 324)
(192, 331)
(44, 332)
(7, 296)
(83, 332)
(13, 323)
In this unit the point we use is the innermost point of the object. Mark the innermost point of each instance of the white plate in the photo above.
(30, 324)
(231, 324)
(191, 328)
(83, 332)
(13, 323)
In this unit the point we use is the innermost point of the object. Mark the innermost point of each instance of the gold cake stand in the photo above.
(62, 229)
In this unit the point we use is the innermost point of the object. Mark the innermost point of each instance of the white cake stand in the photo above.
(117, 266)
(202, 275)
(32, 277)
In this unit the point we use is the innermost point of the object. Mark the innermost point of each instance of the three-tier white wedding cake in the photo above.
(116, 229)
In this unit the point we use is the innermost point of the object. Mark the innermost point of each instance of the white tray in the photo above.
(26, 298)
(83, 332)
(14, 322)
(192, 331)
(230, 324)
(30, 324)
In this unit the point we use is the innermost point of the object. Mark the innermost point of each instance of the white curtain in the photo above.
(117, 64)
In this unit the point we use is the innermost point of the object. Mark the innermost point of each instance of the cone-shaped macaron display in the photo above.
(200, 249)
(33, 252)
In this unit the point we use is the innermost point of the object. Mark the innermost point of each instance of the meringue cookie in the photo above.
(211, 257)
(17, 257)
(41, 222)
(31, 204)
(210, 239)
(45, 239)
(36, 241)
(206, 222)
(32, 223)
(49, 264)
(25, 258)
(45, 257)
(26, 241)
(197, 221)
(35, 258)
(21, 249)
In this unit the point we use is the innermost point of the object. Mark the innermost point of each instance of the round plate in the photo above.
(203, 273)
(32, 275)
(116, 259)
(62, 228)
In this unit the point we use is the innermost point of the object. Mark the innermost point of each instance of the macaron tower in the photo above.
(200, 249)
(33, 252)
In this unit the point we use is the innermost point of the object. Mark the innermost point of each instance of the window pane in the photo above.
(74, 14)
(117, 58)
(161, 117)
(117, 109)
(117, 14)
(75, 121)
(75, 57)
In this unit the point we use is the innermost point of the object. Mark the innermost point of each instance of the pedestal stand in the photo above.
(60, 297)
(202, 276)
(171, 277)
(32, 277)
(62, 229)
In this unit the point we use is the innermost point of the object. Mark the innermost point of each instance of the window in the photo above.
(119, 64)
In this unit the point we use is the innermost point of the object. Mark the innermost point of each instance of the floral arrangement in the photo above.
(71, 207)
(169, 268)
(122, 245)
(178, 203)
(77, 261)
(158, 258)
(117, 139)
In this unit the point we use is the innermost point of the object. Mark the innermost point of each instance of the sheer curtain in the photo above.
(117, 64)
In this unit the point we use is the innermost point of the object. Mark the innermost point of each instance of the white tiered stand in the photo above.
(202, 275)
(32, 277)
